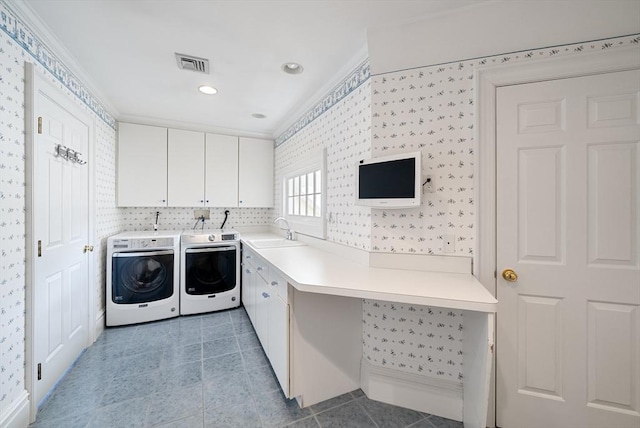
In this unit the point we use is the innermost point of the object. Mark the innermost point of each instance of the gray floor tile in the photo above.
(173, 404)
(190, 422)
(254, 357)
(357, 393)
(275, 410)
(239, 316)
(243, 327)
(137, 364)
(223, 365)
(439, 422)
(228, 390)
(129, 387)
(349, 415)
(333, 402)
(77, 421)
(248, 340)
(214, 348)
(158, 375)
(189, 374)
(213, 332)
(263, 380)
(388, 416)
(175, 354)
(239, 416)
(309, 422)
(130, 414)
(216, 318)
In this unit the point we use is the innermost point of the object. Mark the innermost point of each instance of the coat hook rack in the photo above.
(68, 154)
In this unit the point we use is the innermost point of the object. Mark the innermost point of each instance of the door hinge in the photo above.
(39, 371)
(495, 274)
(39, 124)
(39, 248)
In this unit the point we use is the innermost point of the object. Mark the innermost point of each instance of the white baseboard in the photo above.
(17, 415)
(422, 393)
(99, 326)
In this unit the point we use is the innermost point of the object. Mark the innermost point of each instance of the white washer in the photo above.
(209, 271)
(143, 277)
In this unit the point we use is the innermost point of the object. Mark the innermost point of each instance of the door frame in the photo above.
(488, 80)
(35, 80)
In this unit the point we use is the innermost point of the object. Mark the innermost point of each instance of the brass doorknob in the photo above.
(510, 275)
(87, 248)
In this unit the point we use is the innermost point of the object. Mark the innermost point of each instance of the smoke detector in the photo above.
(192, 63)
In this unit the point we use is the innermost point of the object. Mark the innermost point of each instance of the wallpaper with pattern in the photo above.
(431, 109)
(345, 131)
(183, 218)
(17, 45)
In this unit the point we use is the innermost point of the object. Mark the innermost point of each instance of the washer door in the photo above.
(210, 270)
(142, 277)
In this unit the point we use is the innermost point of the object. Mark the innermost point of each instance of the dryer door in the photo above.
(210, 270)
(142, 277)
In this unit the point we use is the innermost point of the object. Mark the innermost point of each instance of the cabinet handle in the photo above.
(207, 201)
(274, 283)
(248, 257)
(265, 295)
(201, 201)
(164, 200)
(258, 268)
(247, 271)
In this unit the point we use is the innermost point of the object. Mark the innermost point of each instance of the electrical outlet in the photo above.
(429, 186)
(197, 214)
(449, 243)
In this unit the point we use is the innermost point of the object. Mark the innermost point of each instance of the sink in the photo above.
(275, 243)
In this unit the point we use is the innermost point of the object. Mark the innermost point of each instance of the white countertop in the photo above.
(313, 270)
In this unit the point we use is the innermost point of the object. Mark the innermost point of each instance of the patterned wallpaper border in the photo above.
(356, 78)
(25, 38)
(529, 53)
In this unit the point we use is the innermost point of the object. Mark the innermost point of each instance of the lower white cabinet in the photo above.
(264, 296)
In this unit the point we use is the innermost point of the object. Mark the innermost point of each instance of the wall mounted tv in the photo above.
(390, 181)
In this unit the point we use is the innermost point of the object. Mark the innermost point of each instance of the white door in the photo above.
(568, 183)
(60, 283)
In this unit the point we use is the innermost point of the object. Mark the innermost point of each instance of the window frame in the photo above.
(307, 225)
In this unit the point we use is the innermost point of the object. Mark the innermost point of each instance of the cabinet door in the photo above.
(263, 298)
(249, 292)
(221, 171)
(142, 165)
(255, 182)
(279, 340)
(185, 181)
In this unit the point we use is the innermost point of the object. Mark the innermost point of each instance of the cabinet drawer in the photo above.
(248, 256)
(278, 284)
(262, 268)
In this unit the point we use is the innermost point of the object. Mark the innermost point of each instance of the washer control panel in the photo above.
(142, 243)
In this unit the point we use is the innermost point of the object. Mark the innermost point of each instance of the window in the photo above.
(303, 196)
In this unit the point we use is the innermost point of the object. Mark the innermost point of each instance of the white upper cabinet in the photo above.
(186, 168)
(221, 171)
(159, 167)
(142, 166)
(255, 175)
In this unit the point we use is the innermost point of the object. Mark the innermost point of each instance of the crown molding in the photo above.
(40, 29)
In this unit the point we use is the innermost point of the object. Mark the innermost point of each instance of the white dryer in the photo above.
(143, 277)
(210, 271)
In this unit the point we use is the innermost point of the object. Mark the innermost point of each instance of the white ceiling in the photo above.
(125, 48)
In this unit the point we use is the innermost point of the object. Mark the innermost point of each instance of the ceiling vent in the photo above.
(192, 63)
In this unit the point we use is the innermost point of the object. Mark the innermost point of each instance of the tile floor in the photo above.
(198, 371)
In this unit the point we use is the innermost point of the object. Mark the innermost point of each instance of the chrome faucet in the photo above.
(288, 228)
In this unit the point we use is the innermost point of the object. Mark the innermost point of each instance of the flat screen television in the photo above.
(390, 181)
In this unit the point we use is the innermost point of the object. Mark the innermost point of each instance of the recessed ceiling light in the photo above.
(292, 68)
(209, 90)
(259, 115)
